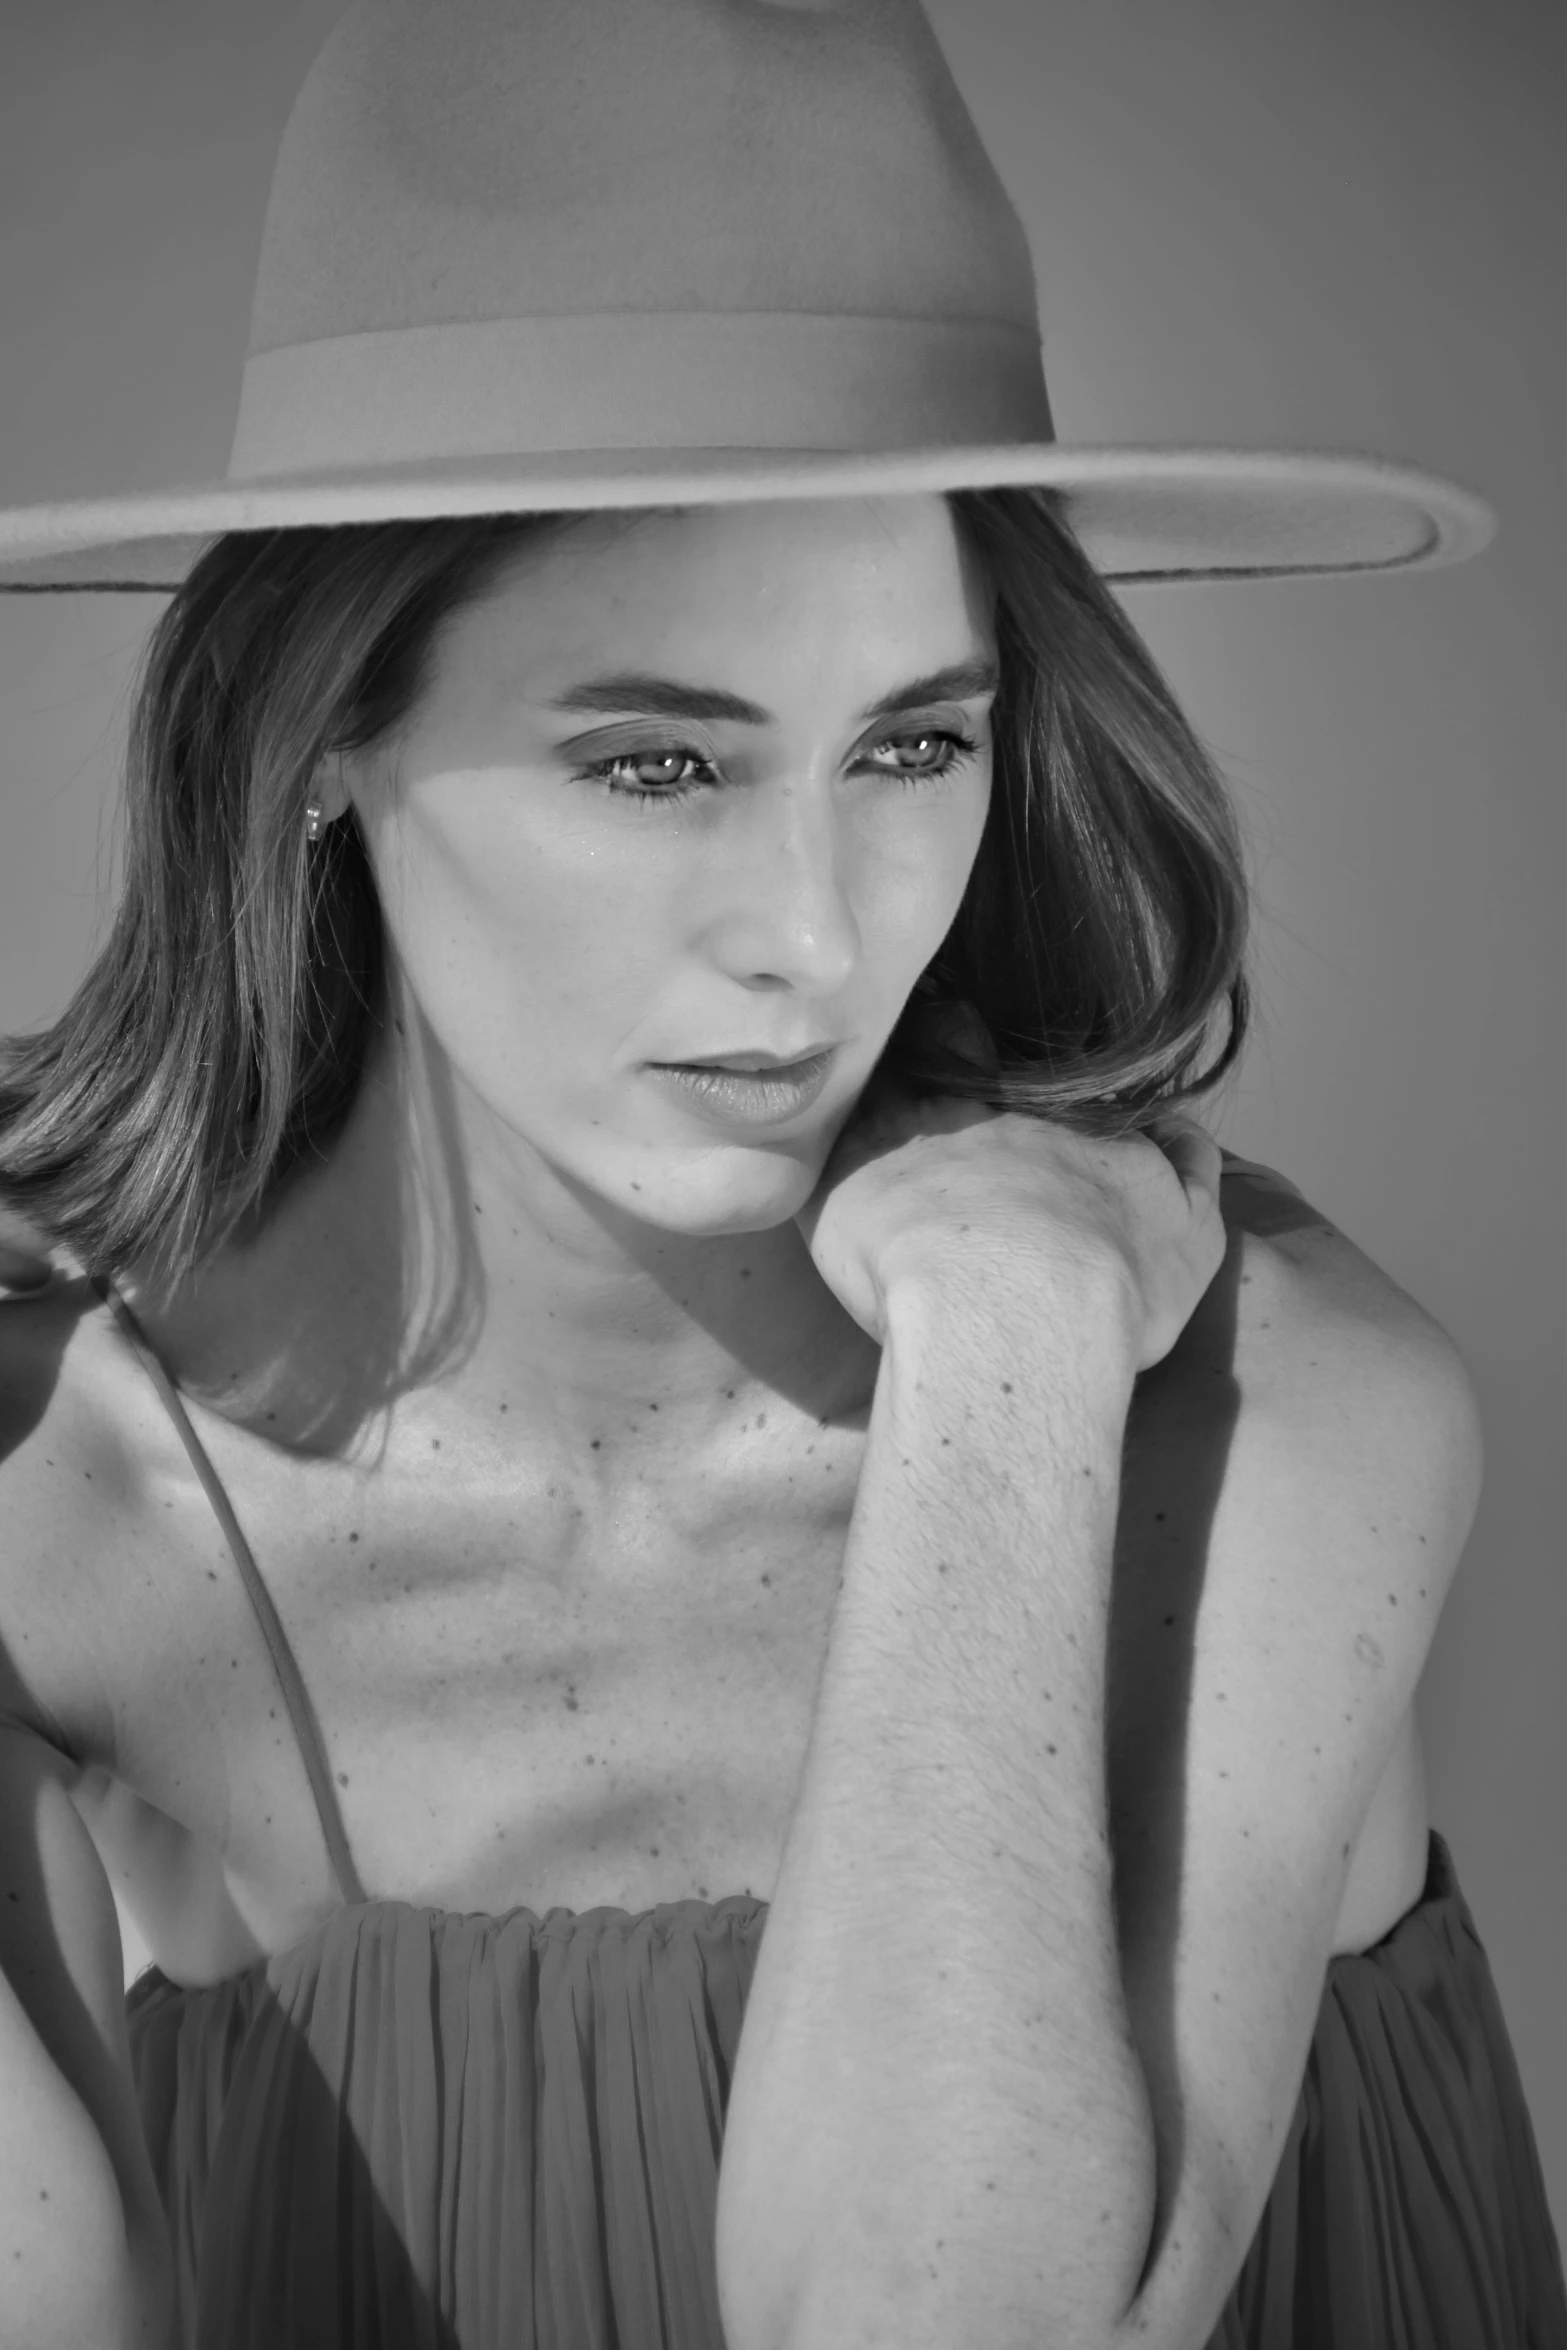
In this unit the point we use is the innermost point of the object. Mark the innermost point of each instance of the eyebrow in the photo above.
(665, 697)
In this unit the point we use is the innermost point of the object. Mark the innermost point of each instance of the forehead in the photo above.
(915, 529)
(766, 578)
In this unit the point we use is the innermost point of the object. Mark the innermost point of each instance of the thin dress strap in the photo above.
(295, 1695)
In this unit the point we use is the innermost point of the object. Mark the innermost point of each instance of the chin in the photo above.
(734, 1191)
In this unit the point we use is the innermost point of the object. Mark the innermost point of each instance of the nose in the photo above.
(781, 908)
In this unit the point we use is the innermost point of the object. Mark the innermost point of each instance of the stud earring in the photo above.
(312, 820)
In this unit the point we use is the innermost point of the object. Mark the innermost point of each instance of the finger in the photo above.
(977, 1042)
(21, 1272)
(1190, 1149)
(957, 1027)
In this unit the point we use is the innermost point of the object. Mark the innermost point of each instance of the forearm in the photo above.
(938, 2132)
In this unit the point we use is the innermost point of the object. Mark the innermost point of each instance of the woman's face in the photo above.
(774, 678)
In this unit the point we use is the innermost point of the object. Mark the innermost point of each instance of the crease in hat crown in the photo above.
(634, 224)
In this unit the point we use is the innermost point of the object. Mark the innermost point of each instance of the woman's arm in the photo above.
(1306, 1467)
(84, 2253)
(1320, 1444)
(84, 2256)
(938, 2130)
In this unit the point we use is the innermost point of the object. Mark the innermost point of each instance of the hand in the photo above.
(24, 1262)
(922, 1181)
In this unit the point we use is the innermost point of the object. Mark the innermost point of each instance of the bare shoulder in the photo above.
(1298, 1303)
(68, 1488)
(1306, 1370)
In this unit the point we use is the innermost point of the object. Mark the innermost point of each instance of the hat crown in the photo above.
(451, 161)
(545, 255)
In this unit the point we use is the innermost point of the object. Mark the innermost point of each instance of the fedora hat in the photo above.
(527, 255)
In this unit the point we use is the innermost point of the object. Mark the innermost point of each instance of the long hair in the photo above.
(221, 1033)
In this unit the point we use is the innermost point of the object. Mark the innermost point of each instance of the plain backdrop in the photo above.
(1314, 223)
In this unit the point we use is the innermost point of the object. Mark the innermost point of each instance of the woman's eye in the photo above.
(665, 785)
(660, 778)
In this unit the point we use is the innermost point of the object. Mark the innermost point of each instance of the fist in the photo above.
(918, 1185)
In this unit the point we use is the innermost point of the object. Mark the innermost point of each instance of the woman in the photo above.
(540, 1514)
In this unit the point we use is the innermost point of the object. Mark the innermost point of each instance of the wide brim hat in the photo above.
(533, 255)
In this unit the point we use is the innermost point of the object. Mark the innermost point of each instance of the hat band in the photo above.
(650, 380)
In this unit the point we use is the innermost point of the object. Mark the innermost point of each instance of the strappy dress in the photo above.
(426, 2129)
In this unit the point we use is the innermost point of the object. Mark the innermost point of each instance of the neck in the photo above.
(428, 1257)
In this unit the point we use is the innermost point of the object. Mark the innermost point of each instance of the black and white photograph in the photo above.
(783, 1175)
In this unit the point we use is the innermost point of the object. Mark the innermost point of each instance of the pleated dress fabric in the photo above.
(422, 2129)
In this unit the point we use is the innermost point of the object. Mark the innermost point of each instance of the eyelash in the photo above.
(960, 748)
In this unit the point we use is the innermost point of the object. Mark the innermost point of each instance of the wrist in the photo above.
(1084, 1316)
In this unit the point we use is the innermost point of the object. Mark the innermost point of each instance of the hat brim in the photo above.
(1141, 514)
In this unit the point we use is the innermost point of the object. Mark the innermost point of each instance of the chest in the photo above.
(533, 1693)
(528, 1691)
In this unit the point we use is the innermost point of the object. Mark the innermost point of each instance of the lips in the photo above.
(753, 1063)
(735, 1098)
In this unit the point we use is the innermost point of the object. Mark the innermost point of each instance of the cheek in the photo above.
(518, 950)
(917, 871)
(535, 951)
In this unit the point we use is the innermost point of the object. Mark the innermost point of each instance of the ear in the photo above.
(329, 786)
